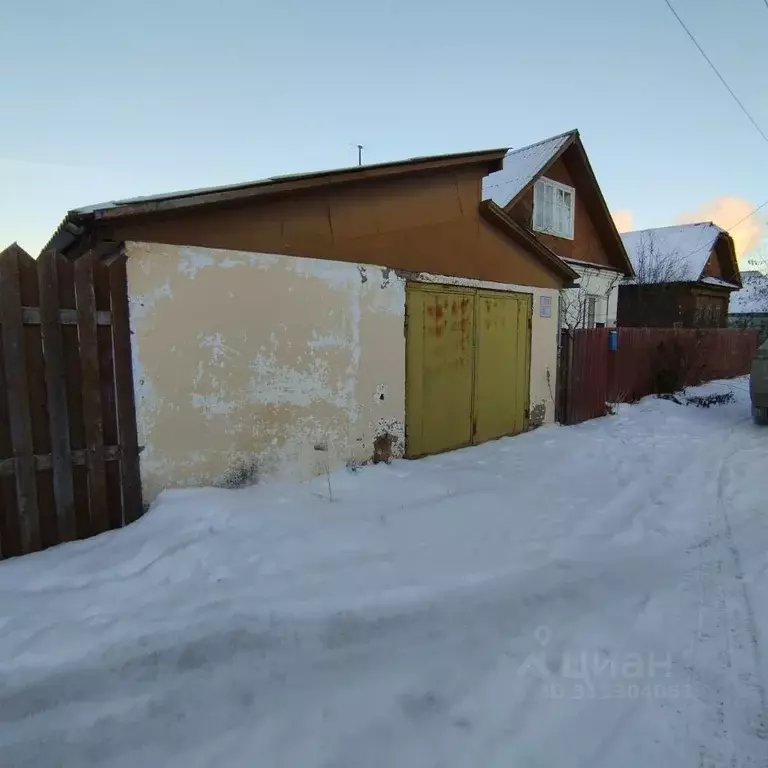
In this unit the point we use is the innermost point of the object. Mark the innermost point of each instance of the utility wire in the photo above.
(759, 207)
(717, 72)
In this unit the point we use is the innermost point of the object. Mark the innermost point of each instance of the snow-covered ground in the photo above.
(584, 596)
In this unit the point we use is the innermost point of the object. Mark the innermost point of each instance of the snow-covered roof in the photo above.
(521, 166)
(753, 297)
(717, 281)
(687, 247)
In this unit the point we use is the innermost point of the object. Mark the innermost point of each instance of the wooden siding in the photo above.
(682, 305)
(714, 266)
(425, 224)
(587, 244)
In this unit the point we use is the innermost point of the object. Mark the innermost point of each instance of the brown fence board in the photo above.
(126, 409)
(74, 387)
(17, 389)
(103, 300)
(10, 536)
(598, 375)
(91, 381)
(68, 447)
(38, 403)
(58, 412)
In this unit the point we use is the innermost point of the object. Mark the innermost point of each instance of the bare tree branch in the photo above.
(654, 265)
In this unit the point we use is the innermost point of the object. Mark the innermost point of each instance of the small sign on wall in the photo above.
(545, 306)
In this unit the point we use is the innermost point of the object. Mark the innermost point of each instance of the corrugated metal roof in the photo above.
(687, 246)
(521, 166)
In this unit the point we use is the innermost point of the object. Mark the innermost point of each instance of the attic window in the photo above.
(553, 208)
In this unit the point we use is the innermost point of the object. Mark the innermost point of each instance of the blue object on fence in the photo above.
(613, 340)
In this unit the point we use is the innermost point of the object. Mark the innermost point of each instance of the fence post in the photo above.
(126, 408)
(92, 416)
(18, 399)
(55, 382)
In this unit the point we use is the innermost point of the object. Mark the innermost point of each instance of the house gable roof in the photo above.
(679, 253)
(523, 166)
(495, 215)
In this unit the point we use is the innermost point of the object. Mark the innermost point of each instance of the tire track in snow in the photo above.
(733, 698)
(754, 681)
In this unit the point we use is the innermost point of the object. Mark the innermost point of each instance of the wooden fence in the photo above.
(68, 448)
(592, 375)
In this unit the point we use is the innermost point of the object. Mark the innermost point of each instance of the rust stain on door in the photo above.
(467, 366)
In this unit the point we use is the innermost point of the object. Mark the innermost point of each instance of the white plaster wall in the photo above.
(252, 366)
(545, 333)
(603, 284)
(246, 364)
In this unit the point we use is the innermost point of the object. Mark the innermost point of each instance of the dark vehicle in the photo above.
(758, 385)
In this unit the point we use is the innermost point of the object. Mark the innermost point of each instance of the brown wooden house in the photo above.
(684, 277)
(550, 190)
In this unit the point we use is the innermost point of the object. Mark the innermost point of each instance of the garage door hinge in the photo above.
(405, 326)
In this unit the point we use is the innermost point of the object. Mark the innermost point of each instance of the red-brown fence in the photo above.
(592, 375)
(68, 449)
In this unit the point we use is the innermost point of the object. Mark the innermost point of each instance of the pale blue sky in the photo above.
(104, 99)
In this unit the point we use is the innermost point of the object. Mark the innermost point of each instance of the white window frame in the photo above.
(538, 192)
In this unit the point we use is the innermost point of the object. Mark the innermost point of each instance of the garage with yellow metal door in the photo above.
(467, 366)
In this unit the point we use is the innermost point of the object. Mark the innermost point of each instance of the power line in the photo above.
(728, 229)
(717, 72)
(759, 207)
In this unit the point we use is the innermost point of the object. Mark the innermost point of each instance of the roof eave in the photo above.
(496, 216)
(491, 160)
(629, 267)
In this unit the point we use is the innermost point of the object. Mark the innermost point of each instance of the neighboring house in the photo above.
(286, 327)
(550, 189)
(684, 277)
(749, 306)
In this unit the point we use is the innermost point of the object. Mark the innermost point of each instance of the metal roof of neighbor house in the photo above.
(521, 166)
(753, 297)
(689, 244)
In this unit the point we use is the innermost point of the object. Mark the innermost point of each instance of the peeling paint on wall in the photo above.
(244, 362)
(247, 361)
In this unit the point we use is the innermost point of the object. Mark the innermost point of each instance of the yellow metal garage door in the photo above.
(439, 368)
(501, 364)
(467, 366)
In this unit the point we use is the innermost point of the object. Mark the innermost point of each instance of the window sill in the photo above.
(552, 234)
